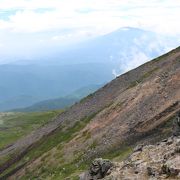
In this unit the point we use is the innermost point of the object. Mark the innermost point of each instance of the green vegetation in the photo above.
(144, 76)
(119, 154)
(133, 84)
(56, 140)
(166, 55)
(52, 162)
(93, 145)
(58, 137)
(147, 74)
(52, 148)
(16, 125)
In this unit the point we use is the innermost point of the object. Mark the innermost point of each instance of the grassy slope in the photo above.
(55, 140)
(49, 156)
(16, 125)
(50, 162)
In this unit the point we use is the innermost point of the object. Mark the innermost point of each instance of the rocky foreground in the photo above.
(160, 161)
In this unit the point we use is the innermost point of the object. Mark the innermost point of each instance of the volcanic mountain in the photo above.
(136, 107)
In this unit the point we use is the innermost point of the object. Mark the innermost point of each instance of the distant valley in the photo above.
(95, 61)
(60, 103)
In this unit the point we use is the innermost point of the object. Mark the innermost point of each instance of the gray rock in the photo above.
(172, 166)
(150, 171)
(176, 125)
(170, 141)
(138, 148)
(85, 176)
(98, 169)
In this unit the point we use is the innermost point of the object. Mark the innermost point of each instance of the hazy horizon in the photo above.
(31, 28)
(49, 49)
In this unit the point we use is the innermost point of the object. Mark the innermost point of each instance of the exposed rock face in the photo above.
(161, 161)
(98, 170)
(176, 125)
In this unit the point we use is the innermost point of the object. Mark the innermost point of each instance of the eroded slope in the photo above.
(131, 108)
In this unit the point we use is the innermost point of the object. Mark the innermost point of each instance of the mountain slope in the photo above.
(136, 106)
(95, 61)
(14, 126)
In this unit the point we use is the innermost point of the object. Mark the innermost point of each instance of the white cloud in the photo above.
(104, 15)
(133, 60)
(114, 73)
(36, 23)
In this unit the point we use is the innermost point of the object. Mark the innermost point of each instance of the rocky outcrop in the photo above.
(160, 161)
(98, 169)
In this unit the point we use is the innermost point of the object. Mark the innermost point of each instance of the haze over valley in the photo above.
(89, 90)
(93, 62)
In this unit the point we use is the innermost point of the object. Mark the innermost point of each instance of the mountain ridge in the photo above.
(61, 102)
(94, 61)
(136, 106)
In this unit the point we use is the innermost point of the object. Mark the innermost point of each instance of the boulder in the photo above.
(99, 168)
(172, 166)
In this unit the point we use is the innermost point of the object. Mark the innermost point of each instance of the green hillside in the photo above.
(16, 125)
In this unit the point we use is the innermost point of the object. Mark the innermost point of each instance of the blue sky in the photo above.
(60, 21)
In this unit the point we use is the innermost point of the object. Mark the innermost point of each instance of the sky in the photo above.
(53, 22)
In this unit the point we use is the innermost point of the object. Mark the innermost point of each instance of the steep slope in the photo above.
(95, 61)
(136, 106)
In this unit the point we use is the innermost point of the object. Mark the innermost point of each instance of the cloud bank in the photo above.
(28, 24)
(99, 16)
